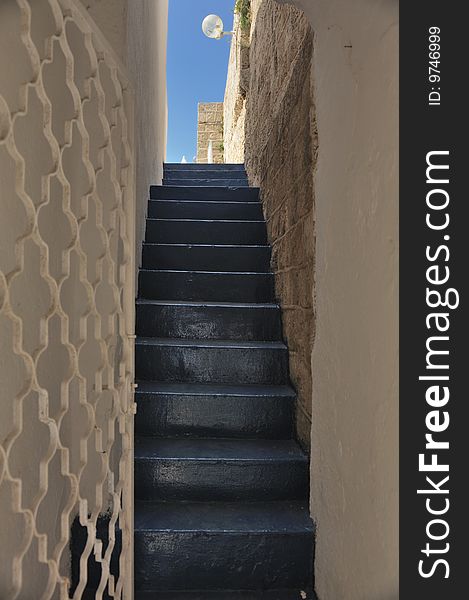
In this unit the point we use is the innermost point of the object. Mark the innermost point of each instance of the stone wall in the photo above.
(269, 111)
(237, 84)
(210, 128)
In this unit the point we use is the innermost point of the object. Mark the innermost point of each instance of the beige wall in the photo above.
(111, 17)
(354, 360)
(355, 356)
(63, 172)
(146, 59)
(210, 129)
(234, 103)
(137, 30)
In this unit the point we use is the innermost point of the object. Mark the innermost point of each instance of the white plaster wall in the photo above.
(137, 30)
(147, 23)
(110, 16)
(31, 293)
(234, 105)
(354, 495)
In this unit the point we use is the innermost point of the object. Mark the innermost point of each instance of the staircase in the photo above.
(221, 486)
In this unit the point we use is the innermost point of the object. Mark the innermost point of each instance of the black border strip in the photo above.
(441, 126)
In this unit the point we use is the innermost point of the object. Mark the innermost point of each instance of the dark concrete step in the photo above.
(219, 469)
(204, 167)
(210, 410)
(223, 545)
(211, 361)
(202, 257)
(189, 231)
(208, 320)
(206, 286)
(206, 193)
(207, 174)
(228, 182)
(196, 209)
(292, 594)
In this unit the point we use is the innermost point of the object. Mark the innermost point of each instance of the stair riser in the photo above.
(205, 232)
(206, 258)
(213, 427)
(211, 365)
(203, 173)
(210, 287)
(176, 167)
(208, 322)
(214, 416)
(294, 594)
(193, 209)
(220, 479)
(235, 183)
(222, 561)
(219, 194)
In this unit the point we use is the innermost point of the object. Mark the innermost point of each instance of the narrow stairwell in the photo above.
(221, 485)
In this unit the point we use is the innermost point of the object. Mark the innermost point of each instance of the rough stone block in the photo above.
(269, 77)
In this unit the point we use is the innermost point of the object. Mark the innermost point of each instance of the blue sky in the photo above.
(196, 69)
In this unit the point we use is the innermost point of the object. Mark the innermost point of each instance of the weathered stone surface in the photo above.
(237, 86)
(269, 123)
(210, 128)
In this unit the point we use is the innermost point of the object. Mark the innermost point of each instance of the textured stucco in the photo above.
(111, 17)
(354, 494)
(147, 24)
(234, 104)
(269, 118)
(210, 129)
(66, 288)
(138, 32)
(354, 361)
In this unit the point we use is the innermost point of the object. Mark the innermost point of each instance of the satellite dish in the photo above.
(212, 26)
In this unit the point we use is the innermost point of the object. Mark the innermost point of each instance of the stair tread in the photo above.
(239, 517)
(225, 449)
(211, 272)
(213, 389)
(214, 246)
(289, 594)
(208, 166)
(259, 305)
(154, 341)
(206, 174)
(207, 187)
(208, 220)
(202, 182)
(195, 202)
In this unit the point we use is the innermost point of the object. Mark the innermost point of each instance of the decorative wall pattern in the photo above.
(67, 281)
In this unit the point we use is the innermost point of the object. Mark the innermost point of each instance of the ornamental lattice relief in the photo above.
(67, 211)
